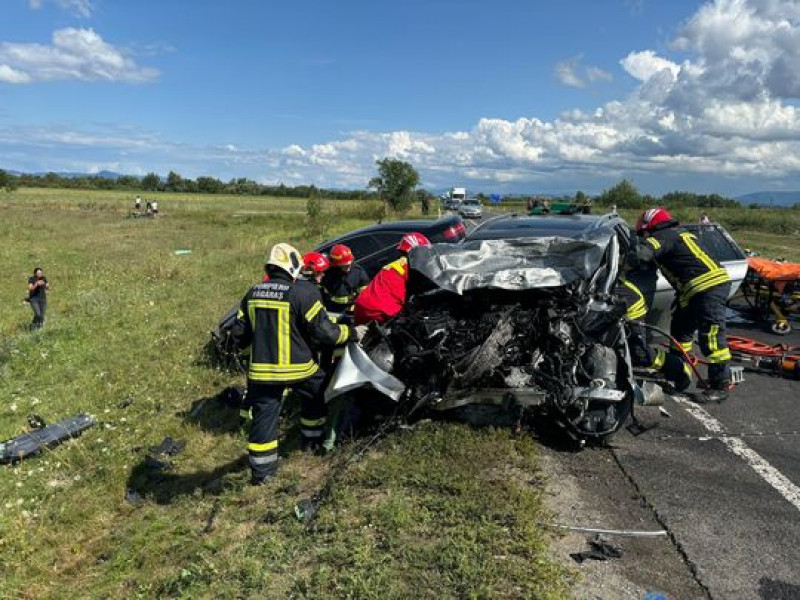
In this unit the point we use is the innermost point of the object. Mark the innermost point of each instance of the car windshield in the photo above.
(471, 203)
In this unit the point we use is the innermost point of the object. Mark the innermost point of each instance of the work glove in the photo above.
(361, 331)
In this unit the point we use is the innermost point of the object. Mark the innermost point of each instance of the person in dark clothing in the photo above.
(282, 322)
(37, 296)
(701, 286)
(637, 288)
(343, 282)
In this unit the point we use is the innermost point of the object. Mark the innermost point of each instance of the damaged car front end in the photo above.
(528, 325)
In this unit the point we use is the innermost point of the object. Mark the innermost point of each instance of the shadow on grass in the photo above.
(216, 414)
(220, 414)
(163, 487)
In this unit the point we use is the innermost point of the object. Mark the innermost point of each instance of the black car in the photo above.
(374, 246)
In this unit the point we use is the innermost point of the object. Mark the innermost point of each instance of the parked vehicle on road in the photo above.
(471, 209)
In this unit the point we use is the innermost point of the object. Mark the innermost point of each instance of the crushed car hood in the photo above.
(512, 264)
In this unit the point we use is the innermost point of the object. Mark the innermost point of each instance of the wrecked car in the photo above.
(527, 323)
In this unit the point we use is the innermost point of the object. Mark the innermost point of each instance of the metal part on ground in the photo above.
(35, 442)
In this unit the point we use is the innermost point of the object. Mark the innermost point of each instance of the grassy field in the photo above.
(440, 511)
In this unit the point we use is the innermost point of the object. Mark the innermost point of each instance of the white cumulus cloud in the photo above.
(643, 65)
(74, 54)
(573, 73)
(81, 8)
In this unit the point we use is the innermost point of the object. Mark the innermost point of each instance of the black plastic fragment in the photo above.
(169, 446)
(34, 442)
(601, 549)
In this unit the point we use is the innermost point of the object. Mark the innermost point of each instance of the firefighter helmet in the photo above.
(654, 219)
(412, 240)
(315, 263)
(341, 256)
(286, 257)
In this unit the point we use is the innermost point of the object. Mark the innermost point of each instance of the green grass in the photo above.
(441, 511)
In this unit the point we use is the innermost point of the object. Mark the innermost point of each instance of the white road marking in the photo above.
(768, 473)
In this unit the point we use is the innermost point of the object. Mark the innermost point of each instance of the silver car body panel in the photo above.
(356, 371)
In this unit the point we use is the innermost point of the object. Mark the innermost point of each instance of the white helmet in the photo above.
(286, 257)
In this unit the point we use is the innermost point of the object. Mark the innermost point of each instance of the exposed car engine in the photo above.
(547, 348)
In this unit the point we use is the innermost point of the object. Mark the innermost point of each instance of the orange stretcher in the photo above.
(772, 290)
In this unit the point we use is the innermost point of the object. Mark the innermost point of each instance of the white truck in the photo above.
(455, 197)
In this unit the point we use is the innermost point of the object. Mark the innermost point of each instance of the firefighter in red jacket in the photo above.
(385, 295)
(701, 287)
(343, 281)
(282, 321)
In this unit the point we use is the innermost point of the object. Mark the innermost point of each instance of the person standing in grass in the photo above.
(37, 297)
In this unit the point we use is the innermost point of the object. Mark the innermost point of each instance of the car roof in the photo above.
(516, 225)
(421, 225)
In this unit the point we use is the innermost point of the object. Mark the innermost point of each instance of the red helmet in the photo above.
(315, 263)
(653, 219)
(341, 255)
(412, 240)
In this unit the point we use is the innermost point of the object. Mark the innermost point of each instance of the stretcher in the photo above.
(771, 291)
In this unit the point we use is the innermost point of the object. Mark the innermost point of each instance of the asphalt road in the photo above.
(723, 480)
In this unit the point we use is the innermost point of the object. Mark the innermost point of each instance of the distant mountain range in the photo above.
(71, 175)
(770, 198)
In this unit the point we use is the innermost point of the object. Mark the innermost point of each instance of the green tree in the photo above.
(623, 195)
(7, 181)
(150, 182)
(395, 182)
(175, 182)
(209, 185)
(316, 223)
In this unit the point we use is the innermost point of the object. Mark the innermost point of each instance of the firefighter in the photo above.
(701, 286)
(385, 295)
(637, 288)
(343, 282)
(282, 321)
(314, 267)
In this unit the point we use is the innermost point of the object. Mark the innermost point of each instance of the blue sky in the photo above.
(500, 96)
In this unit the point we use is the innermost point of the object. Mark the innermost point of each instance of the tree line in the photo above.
(395, 184)
(174, 182)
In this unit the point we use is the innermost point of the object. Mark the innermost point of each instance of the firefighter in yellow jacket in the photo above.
(701, 288)
(283, 323)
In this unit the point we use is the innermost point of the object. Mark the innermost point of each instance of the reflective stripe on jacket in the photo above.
(685, 263)
(340, 288)
(633, 297)
(283, 322)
